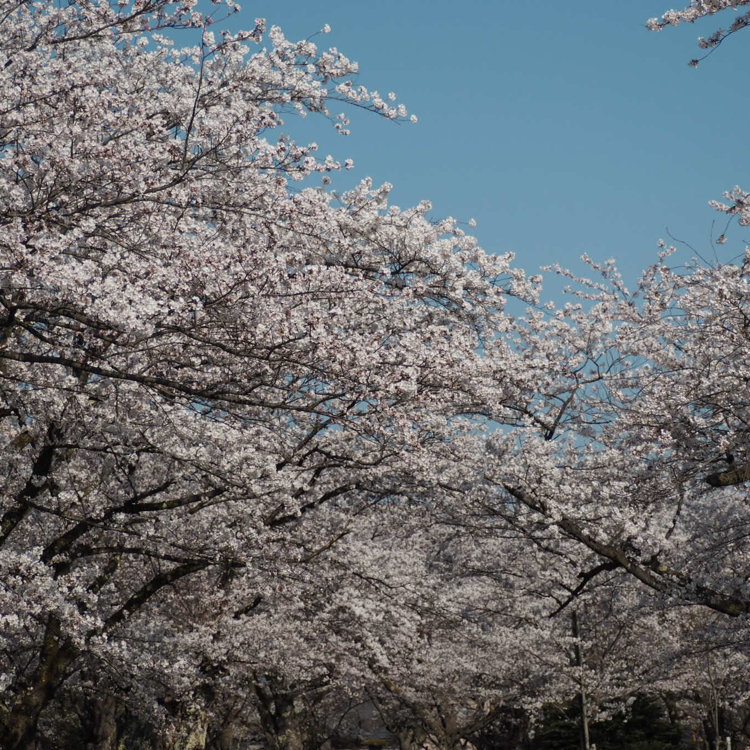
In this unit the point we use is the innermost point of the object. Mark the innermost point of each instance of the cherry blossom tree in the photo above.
(210, 367)
(635, 447)
(698, 9)
(736, 202)
(270, 448)
(637, 451)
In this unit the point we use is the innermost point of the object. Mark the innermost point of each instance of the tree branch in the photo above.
(146, 591)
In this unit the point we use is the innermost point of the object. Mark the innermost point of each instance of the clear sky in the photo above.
(561, 127)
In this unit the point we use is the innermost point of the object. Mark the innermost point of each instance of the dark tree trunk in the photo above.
(277, 716)
(105, 735)
(19, 725)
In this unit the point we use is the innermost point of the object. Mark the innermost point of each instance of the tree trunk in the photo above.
(290, 738)
(410, 739)
(19, 724)
(105, 724)
(226, 738)
(278, 718)
(196, 731)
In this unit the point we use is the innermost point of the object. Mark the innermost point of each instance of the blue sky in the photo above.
(561, 127)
